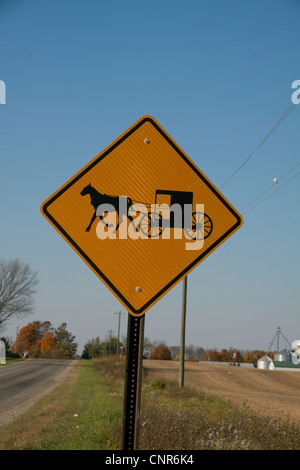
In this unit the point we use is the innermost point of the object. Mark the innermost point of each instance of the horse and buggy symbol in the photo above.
(154, 217)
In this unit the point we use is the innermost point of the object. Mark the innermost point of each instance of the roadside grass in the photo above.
(10, 360)
(176, 418)
(85, 413)
(78, 415)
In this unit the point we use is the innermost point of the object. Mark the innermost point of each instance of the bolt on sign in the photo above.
(141, 215)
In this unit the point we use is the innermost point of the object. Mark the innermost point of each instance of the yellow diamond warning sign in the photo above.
(141, 215)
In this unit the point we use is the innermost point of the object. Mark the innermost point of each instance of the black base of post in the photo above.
(132, 383)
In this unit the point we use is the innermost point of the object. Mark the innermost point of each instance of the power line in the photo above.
(287, 112)
(272, 186)
(288, 172)
(288, 181)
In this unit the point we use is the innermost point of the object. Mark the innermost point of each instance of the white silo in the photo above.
(264, 363)
(283, 356)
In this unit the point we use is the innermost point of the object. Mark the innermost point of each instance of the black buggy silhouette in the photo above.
(199, 227)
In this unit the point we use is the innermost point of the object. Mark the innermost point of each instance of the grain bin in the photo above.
(264, 363)
(283, 356)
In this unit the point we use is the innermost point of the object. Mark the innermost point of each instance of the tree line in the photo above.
(96, 348)
(161, 351)
(41, 340)
(196, 354)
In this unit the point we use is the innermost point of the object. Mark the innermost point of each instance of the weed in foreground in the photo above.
(174, 418)
(182, 418)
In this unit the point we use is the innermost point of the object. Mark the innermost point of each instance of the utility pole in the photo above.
(119, 324)
(110, 332)
(182, 339)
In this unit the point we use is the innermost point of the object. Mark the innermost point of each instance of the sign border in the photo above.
(90, 263)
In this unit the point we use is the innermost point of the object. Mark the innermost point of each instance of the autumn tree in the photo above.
(47, 345)
(175, 351)
(190, 352)
(235, 355)
(223, 355)
(66, 347)
(194, 353)
(212, 355)
(248, 358)
(17, 287)
(40, 339)
(29, 336)
(192, 358)
(161, 352)
(257, 354)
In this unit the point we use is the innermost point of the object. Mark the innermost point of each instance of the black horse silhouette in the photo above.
(97, 199)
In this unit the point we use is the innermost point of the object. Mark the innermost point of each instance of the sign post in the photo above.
(133, 382)
(142, 216)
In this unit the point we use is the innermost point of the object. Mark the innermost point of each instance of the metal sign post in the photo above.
(133, 382)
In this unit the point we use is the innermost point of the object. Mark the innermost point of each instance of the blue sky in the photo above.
(217, 76)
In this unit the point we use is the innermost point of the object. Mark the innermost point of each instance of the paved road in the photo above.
(23, 383)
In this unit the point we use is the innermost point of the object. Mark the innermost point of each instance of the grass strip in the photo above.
(78, 415)
(191, 420)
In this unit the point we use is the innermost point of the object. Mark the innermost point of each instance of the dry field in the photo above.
(263, 392)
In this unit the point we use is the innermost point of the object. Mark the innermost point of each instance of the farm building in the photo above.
(283, 360)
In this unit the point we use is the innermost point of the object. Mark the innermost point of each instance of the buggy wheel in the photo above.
(151, 224)
(201, 226)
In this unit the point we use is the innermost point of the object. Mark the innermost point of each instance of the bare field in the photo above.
(266, 393)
